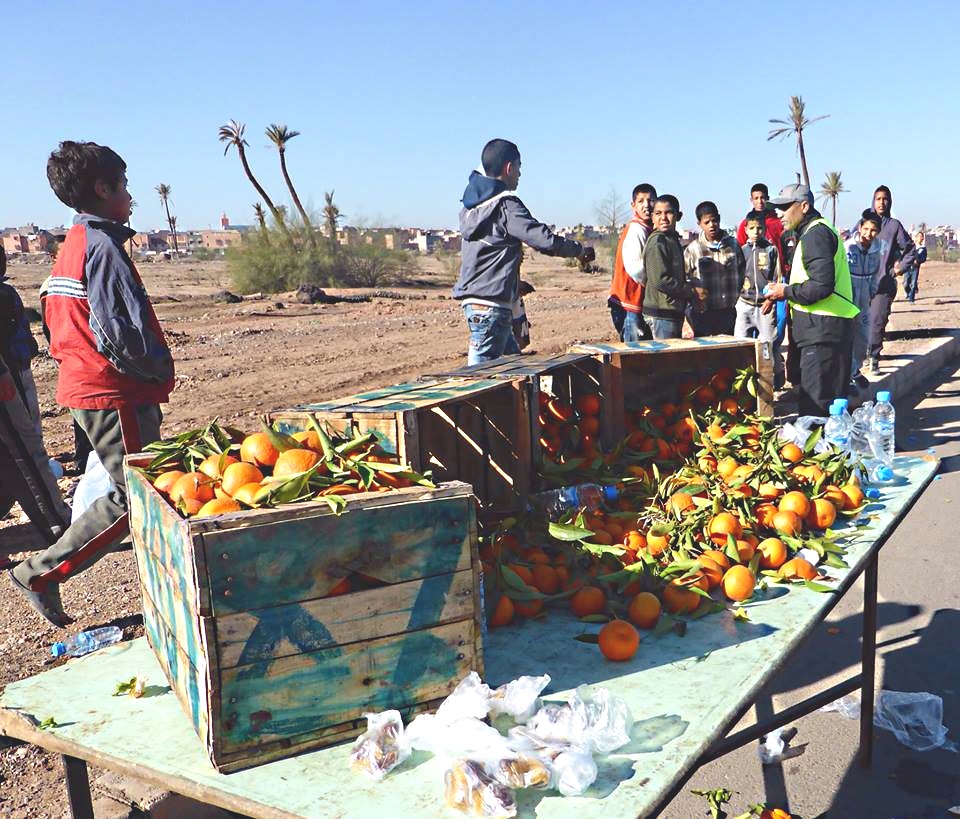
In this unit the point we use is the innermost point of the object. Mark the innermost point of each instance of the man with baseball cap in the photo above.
(820, 294)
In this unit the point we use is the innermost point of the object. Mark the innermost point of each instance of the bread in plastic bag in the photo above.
(518, 698)
(521, 771)
(593, 719)
(470, 789)
(382, 747)
(471, 698)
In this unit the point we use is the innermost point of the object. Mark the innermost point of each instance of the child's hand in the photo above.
(8, 390)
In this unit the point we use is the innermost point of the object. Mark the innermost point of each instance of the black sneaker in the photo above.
(861, 381)
(47, 603)
(853, 391)
(874, 366)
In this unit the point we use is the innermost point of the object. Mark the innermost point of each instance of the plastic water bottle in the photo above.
(835, 430)
(883, 435)
(586, 495)
(85, 642)
(862, 419)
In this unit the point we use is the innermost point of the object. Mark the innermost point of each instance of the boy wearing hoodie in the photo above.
(714, 261)
(494, 224)
(864, 252)
(756, 317)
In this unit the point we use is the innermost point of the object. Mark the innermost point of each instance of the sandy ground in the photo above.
(240, 360)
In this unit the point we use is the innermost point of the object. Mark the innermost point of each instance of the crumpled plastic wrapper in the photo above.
(518, 698)
(382, 747)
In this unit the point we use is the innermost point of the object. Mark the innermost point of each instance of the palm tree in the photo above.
(164, 191)
(331, 215)
(831, 189)
(795, 124)
(232, 134)
(280, 135)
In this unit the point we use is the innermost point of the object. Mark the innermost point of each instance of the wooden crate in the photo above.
(475, 431)
(638, 374)
(566, 375)
(264, 664)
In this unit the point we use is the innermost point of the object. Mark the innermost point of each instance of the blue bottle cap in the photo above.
(842, 403)
(610, 493)
(58, 649)
(883, 395)
(885, 473)
(872, 492)
(836, 409)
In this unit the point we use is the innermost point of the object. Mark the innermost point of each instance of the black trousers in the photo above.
(713, 322)
(824, 375)
(880, 306)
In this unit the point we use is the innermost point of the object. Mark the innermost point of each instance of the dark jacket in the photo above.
(762, 268)
(895, 246)
(773, 232)
(667, 291)
(819, 246)
(17, 344)
(494, 223)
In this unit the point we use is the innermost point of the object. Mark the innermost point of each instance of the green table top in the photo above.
(681, 691)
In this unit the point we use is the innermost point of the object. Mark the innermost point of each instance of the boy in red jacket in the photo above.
(115, 367)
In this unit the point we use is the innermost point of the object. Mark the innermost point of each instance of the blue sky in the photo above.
(395, 102)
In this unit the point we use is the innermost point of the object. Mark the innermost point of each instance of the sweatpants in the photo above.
(753, 323)
(824, 375)
(114, 433)
(880, 306)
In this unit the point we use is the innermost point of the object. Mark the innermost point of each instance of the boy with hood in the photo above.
(494, 224)
(864, 252)
(714, 261)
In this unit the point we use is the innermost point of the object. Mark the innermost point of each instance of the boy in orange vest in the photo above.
(626, 289)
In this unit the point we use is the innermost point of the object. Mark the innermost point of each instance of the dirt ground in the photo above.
(238, 361)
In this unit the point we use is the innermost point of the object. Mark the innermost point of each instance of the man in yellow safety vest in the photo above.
(820, 294)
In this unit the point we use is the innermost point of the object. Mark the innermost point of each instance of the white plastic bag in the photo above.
(471, 698)
(848, 706)
(382, 747)
(463, 737)
(772, 748)
(518, 699)
(914, 718)
(798, 432)
(471, 790)
(573, 772)
(593, 719)
(94, 483)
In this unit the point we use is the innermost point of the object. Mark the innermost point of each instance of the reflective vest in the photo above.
(840, 302)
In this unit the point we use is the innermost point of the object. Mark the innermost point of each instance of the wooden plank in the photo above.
(289, 561)
(291, 697)
(314, 625)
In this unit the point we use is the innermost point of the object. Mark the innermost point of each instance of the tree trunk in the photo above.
(173, 230)
(259, 187)
(803, 159)
(293, 193)
(833, 201)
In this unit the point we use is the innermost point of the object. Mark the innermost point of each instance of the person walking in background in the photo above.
(863, 259)
(626, 288)
(897, 253)
(911, 274)
(714, 261)
(821, 302)
(494, 225)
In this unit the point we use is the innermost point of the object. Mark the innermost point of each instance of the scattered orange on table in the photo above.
(618, 640)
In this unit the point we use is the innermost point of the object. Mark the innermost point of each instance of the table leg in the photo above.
(868, 662)
(78, 788)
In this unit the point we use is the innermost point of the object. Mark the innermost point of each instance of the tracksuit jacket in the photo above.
(494, 224)
(761, 269)
(103, 331)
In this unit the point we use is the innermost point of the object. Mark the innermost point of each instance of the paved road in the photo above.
(919, 650)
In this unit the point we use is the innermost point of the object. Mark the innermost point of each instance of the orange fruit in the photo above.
(192, 486)
(590, 426)
(835, 495)
(601, 537)
(644, 610)
(536, 556)
(528, 608)
(773, 553)
(678, 599)
(545, 579)
(218, 506)
(657, 542)
(853, 496)
(787, 523)
(588, 600)
(588, 404)
(727, 466)
(711, 570)
(791, 453)
(618, 640)
(211, 465)
(738, 583)
(707, 463)
(236, 475)
(164, 482)
(309, 439)
(822, 514)
(634, 540)
(715, 432)
(522, 572)
(798, 568)
(769, 491)
(763, 513)
(190, 506)
(256, 449)
(247, 493)
(723, 524)
(294, 461)
(559, 410)
(705, 395)
(717, 557)
(615, 530)
(746, 550)
(680, 501)
(774, 813)
(795, 502)
(502, 612)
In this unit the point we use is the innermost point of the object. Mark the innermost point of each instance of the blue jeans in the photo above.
(491, 333)
(666, 328)
(910, 277)
(629, 326)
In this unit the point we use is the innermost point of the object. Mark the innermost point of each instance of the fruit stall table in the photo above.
(669, 686)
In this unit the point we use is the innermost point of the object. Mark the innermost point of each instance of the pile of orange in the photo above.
(569, 429)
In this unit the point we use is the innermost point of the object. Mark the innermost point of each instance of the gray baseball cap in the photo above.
(791, 194)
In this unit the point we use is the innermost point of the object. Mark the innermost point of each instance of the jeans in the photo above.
(862, 286)
(911, 278)
(630, 326)
(491, 333)
(752, 323)
(666, 328)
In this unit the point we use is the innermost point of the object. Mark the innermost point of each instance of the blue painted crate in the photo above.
(265, 663)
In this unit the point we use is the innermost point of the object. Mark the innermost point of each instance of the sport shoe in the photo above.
(874, 366)
(47, 603)
(861, 381)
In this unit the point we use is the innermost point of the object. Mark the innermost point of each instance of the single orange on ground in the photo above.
(644, 610)
(775, 813)
(738, 583)
(164, 482)
(795, 501)
(723, 524)
(218, 506)
(236, 475)
(588, 600)
(679, 599)
(294, 461)
(247, 493)
(798, 568)
(791, 453)
(192, 486)
(618, 640)
(213, 465)
(502, 612)
(545, 579)
(256, 449)
(773, 553)
(822, 514)
(588, 404)
(787, 523)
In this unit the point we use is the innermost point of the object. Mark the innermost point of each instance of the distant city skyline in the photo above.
(395, 104)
